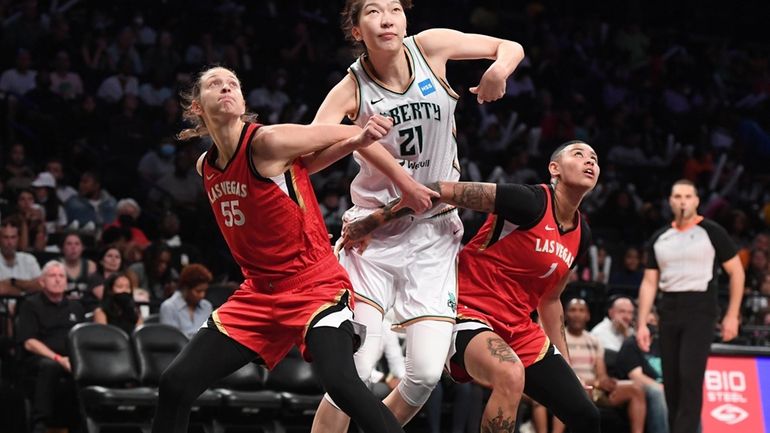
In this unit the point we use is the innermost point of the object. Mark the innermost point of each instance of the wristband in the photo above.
(56, 357)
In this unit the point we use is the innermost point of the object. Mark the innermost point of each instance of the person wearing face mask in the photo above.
(187, 309)
(683, 262)
(117, 307)
(128, 211)
(156, 162)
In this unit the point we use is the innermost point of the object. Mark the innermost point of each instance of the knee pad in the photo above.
(426, 352)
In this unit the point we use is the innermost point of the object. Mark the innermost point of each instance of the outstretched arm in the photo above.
(376, 128)
(477, 196)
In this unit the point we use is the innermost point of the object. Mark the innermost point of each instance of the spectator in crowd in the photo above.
(117, 306)
(158, 161)
(17, 170)
(19, 271)
(78, 268)
(587, 359)
(64, 82)
(110, 262)
(616, 327)
(44, 187)
(181, 187)
(628, 277)
(183, 253)
(93, 206)
(155, 274)
(115, 87)
(645, 370)
(20, 79)
(45, 319)
(128, 211)
(187, 309)
(63, 191)
(31, 218)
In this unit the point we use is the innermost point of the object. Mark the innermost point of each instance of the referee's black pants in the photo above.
(687, 323)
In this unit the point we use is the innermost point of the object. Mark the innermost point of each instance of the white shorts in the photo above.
(409, 266)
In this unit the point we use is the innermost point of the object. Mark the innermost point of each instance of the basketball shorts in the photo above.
(409, 266)
(269, 317)
(527, 339)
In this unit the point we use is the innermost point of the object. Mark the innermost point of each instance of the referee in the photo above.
(683, 260)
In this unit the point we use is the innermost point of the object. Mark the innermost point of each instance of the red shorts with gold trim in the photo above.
(526, 338)
(271, 317)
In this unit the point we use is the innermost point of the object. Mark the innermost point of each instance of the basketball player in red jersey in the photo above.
(295, 291)
(518, 262)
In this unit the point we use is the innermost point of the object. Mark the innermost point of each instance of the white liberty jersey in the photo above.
(422, 138)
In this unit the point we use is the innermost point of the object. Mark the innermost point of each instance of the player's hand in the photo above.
(491, 87)
(643, 338)
(418, 197)
(375, 129)
(729, 327)
(64, 361)
(357, 234)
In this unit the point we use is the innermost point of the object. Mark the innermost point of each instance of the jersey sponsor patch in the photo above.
(426, 87)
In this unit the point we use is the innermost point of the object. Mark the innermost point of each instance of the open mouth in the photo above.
(589, 172)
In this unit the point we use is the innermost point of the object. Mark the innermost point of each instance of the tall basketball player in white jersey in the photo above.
(409, 265)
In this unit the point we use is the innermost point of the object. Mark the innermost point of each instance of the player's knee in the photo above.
(172, 385)
(508, 378)
(365, 360)
(418, 384)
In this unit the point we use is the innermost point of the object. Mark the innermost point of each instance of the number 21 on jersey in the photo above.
(231, 213)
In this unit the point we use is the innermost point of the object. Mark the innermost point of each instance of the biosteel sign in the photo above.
(736, 395)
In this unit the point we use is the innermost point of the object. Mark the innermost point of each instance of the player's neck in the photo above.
(226, 138)
(391, 67)
(566, 205)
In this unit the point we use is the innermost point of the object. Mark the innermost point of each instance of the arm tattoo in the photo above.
(501, 350)
(499, 424)
(474, 195)
(357, 230)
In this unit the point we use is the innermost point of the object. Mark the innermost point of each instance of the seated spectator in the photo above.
(63, 191)
(117, 306)
(110, 262)
(645, 370)
(17, 171)
(181, 187)
(154, 273)
(587, 359)
(128, 212)
(78, 267)
(157, 162)
(45, 319)
(45, 195)
(19, 79)
(115, 87)
(19, 271)
(182, 253)
(31, 218)
(64, 82)
(629, 276)
(92, 207)
(616, 327)
(187, 309)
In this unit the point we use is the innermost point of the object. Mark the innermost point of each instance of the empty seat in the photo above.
(107, 379)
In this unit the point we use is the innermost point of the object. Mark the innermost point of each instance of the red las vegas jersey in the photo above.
(273, 226)
(517, 255)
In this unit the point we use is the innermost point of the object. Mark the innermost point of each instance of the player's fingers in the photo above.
(474, 90)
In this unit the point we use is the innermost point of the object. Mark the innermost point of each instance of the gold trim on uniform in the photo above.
(450, 91)
(323, 307)
(365, 300)
(297, 192)
(489, 237)
(373, 77)
(404, 324)
(218, 322)
(543, 350)
(357, 111)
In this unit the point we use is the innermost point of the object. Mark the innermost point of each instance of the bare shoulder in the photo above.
(199, 163)
(342, 100)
